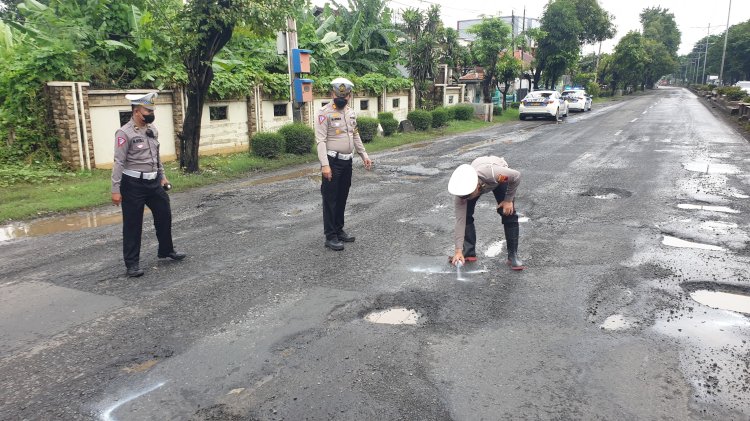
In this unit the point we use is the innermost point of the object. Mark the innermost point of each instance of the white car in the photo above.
(548, 104)
(577, 100)
(745, 85)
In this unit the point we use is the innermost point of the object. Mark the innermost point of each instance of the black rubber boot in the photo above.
(511, 237)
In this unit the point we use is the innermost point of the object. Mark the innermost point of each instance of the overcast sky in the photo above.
(692, 16)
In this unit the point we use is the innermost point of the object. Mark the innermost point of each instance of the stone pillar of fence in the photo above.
(412, 99)
(69, 115)
(178, 116)
(252, 112)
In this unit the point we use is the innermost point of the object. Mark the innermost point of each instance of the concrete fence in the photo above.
(85, 120)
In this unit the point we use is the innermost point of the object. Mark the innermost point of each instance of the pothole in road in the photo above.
(606, 193)
(723, 300)
(709, 168)
(67, 223)
(394, 316)
(724, 209)
(677, 242)
(616, 322)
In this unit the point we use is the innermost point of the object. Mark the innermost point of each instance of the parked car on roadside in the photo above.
(578, 100)
(745, 85)
(548, 104)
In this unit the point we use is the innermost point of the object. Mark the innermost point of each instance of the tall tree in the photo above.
(508, 69)
(492, 37)
(421, 47)
(659, 25)
(628, 62)
(206, 27)
(560, 45)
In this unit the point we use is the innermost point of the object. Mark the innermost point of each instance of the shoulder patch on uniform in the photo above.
(121, 140)
(321, 119)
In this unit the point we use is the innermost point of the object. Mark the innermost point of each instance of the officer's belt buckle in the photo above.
(343, 156)
(141, 175)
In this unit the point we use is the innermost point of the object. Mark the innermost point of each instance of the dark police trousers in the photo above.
(470, 235)
(135, 194)
(335, 193)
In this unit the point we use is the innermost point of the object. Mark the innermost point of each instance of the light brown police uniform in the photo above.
(488, 168)
(336, 130)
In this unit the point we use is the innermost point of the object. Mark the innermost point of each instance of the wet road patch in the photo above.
(606, 193)
(617, 322)
(724, 209)
(723, 300)
(710, 168)
(67, 223)
(394, 316)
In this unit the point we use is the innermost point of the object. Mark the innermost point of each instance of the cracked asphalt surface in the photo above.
(261, 322)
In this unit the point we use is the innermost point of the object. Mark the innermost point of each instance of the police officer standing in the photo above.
(468, 183)
(337, 137)
(138, 179)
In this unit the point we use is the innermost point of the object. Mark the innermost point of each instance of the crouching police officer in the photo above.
(468, 183)
(138, 179)
(337, 137)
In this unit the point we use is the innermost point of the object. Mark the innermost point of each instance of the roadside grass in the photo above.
(44, 191)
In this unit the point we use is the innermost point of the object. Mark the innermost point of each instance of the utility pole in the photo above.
(724, 53)
(291, 44)
(705, 57)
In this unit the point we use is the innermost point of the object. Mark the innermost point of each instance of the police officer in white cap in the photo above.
(138, 179)
(468, 183)
(337, 138)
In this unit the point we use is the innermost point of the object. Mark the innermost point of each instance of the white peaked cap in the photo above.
(146, 100)
(463, 181)
(342, 86)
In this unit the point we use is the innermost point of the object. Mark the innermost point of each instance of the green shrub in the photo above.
(383, 116)
(451, 112)
(298, 138)
(497, 110)
(592, 88)
(515, 105)
(420, 119)
(368, 128)
(439, 117)
(733, 93)
(464, 112)
(389, 125)
(267, 144)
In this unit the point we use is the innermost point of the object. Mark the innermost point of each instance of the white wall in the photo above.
(228, 135)
(106, 120)
(372, 106)
(270, 123)
(403, 105)
(452, 96)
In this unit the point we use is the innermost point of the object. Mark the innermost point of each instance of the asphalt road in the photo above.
(261, 322)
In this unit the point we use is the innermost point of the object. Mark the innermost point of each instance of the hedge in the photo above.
(267, 144)
(389, 125)
(451, 112)
(368, 128)
(382, 116)
(420, 119)
(497, 110)
(298, 138)
(464, 112)
(439, 117)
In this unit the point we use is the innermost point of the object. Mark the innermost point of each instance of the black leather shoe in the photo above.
(134, 271)
(343, 236)
(335, 245)
(173, 255)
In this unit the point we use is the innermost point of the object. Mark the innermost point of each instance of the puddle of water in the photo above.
(676, 242)
(616, 322)
(281, 177)
(724, 209)
(709, 168)
(394, 316)
(495, 248)
(723, 300)
(56, 225)
(428, 269)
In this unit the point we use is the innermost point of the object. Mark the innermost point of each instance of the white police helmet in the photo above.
(144, 100)
(341, 87)
(463, 181)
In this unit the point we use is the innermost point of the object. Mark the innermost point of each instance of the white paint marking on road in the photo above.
(708, 168)
(523, 219)
(724, 209)
(107, 414)
(634, 120)
(618, 132)
(676, 242)
(442, 270)
(644, 112)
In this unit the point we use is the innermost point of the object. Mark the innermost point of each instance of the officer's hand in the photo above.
(368, 164)
(326, 172)
(116, 199)
(164, 181)
(458, 257)
(505, 208)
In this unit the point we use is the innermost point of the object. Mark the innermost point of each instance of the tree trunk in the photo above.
(505, 93)
(486, 85)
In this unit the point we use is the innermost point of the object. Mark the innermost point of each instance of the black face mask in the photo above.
(149, 118)
(340, 102)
